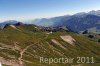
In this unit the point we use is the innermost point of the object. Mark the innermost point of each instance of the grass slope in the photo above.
(24, 45)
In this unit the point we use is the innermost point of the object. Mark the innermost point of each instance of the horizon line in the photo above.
(33, 18)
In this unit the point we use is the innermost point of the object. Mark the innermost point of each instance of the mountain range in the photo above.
(79, 22)
(24, 43)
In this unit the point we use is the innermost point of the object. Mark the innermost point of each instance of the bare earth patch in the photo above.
(10, 62)
(56, 42)
(13, 26)
(69, 39)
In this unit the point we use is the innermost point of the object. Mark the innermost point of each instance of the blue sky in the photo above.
(31, 9)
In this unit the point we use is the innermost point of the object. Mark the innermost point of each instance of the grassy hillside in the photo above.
(22, 46)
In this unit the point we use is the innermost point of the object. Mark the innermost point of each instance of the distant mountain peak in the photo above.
(93, 12)
(10, 22)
